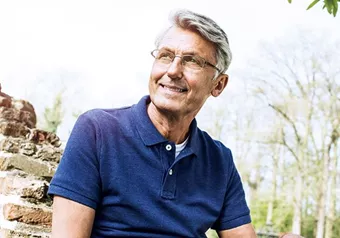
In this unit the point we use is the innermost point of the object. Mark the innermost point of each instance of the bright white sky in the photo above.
(98, 51)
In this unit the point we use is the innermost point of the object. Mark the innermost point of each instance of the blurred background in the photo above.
(279, 114)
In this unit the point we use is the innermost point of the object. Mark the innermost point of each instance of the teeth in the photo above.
(175, 89)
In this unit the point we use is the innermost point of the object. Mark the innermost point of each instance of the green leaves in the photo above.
(312, 4)
(330, 5)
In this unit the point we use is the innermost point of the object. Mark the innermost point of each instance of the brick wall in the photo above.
(28, 159)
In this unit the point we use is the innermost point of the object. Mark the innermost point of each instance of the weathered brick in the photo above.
(12, 114)
(24, 106)
(5, 101)
(15, 129)
(38, 136)
(28, 215)
(26, 164)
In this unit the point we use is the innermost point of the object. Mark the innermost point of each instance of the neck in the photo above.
(173, 127)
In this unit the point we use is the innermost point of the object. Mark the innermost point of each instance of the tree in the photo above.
(299, 83)
(330, 5)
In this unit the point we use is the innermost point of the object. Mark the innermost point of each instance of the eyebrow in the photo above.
(190, 52)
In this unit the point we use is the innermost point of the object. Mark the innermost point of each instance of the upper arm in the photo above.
(71, 219)
(76, 185)
(244, 231)
(234, 211)
(77, 177)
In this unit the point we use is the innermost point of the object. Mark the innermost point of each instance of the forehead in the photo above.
(185, 41)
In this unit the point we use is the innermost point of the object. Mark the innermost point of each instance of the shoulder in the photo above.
(98, 116)
(214, 146)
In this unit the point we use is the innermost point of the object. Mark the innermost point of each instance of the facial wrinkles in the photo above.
(185, 44)
(178, 85)
(182, 44)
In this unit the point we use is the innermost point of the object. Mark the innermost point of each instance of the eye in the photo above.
(165, 55)
(192, 60)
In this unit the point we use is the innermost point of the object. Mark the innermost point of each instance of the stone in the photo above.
(28, 160)
(26, 164)
(7, 233)
(10, 145)
(5, 101)
(28, 148)
(15, 129)
(48, 153)
(44, 137)
(28, 187)
(12, 114)
(36, 191)
(28, 215)
(24, 106)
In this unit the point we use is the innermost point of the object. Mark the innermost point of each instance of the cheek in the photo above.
(202, 84)
(156, 73)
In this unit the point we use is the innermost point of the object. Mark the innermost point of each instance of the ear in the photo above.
(219, 84)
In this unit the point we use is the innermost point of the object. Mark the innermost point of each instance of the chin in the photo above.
(166, 104)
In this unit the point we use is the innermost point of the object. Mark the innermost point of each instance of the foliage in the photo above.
(336, 227)
(330, 5)
(308, 226)
(53, 116)
(282, 215)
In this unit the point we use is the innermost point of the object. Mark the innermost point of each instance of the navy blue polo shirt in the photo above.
(117, 163)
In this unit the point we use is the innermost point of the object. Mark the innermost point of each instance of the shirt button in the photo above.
(168, 147)
(170, 172)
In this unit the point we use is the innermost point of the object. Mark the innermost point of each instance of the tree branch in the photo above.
(285, 116)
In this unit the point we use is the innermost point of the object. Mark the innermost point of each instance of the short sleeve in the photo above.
(235, 211)
(77, 177)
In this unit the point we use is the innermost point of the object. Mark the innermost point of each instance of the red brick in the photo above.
(28, 215)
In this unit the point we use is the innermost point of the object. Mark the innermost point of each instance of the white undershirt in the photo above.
(181, 146)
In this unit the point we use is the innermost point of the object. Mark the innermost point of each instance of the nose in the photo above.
(175, 70)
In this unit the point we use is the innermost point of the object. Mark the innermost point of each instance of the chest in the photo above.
(147, 188)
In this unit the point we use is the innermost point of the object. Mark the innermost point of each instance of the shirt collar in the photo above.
(148, 132)
(146, 129)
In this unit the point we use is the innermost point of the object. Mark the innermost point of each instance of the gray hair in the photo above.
(208, 29)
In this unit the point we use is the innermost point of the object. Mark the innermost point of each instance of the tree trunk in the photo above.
(323, 192)
(296, 227)
(269, 220)
(332, 198)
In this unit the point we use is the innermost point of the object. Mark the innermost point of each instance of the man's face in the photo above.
(174, 87)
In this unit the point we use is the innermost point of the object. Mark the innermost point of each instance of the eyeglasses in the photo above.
(193, 62)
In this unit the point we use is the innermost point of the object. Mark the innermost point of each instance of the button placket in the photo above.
(169, 186)
(169, 183)
(168, 147)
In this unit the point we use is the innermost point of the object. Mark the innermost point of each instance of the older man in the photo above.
(147, 170)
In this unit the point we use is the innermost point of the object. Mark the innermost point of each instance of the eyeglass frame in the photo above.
(181, 56)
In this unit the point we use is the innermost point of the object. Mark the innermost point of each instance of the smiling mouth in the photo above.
(174, 89)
